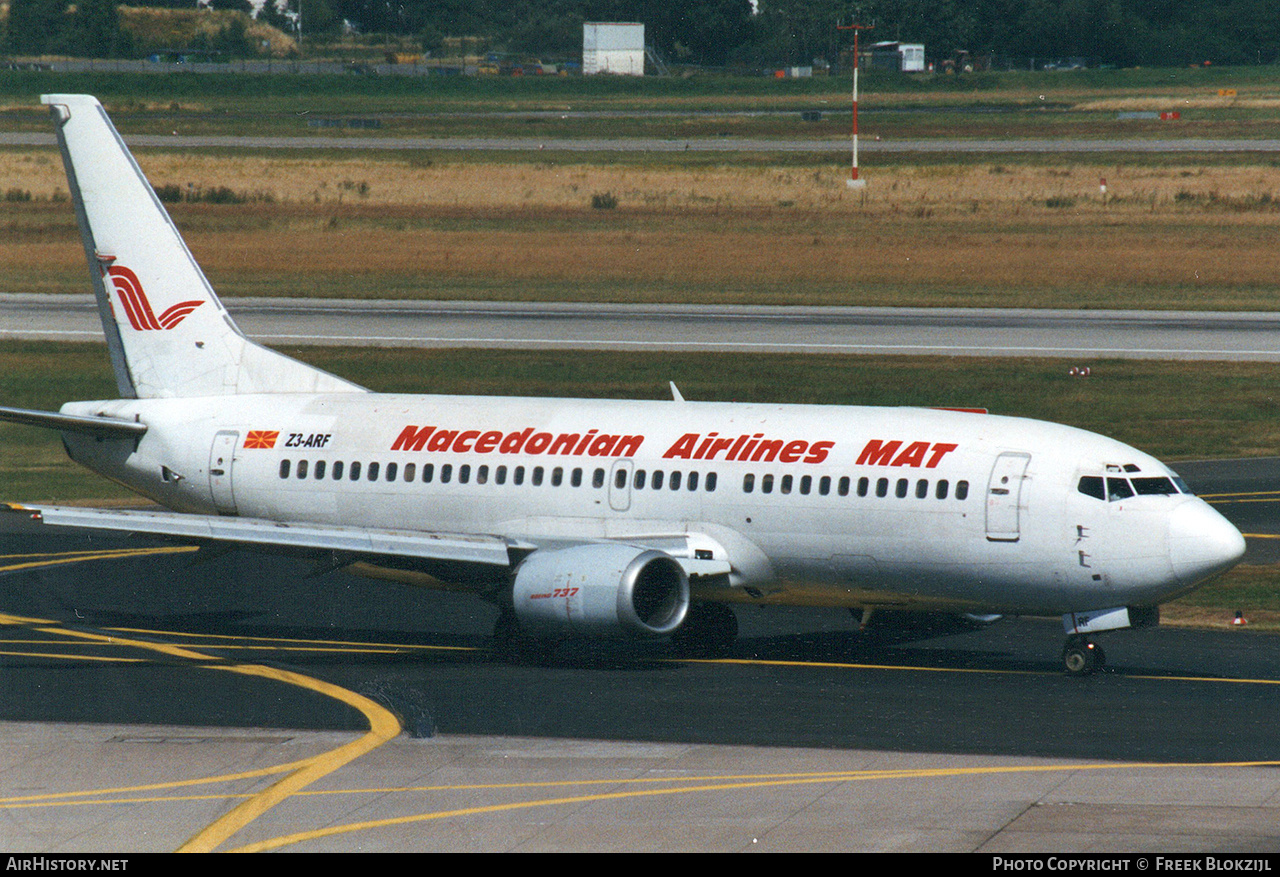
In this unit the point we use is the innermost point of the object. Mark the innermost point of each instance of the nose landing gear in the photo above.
(1081, 656)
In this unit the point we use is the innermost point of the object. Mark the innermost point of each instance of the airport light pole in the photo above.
(854, 181)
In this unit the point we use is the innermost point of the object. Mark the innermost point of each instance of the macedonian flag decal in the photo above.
(261, 438)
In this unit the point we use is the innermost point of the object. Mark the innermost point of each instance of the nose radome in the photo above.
(1202, 543)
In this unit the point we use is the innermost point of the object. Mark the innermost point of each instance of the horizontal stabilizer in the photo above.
(98, 427)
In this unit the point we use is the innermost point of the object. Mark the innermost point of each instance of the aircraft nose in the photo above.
(1202, 543)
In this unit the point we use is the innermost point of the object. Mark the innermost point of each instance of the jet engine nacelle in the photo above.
(602, 589)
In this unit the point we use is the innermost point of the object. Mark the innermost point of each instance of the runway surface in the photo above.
(654, 144)
(155, 700)
(917, 331)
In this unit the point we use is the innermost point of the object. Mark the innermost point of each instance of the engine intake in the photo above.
(602, 589)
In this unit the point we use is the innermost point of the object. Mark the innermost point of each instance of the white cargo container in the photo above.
(613, 47)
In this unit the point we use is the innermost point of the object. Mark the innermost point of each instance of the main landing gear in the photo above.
(1081, 656)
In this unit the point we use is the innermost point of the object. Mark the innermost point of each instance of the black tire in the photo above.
(1078, 659)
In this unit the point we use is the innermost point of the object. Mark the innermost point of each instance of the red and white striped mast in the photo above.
(854, 181)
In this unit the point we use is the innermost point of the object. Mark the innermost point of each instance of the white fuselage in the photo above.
(890, 507)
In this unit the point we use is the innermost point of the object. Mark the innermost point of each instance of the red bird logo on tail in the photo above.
(138, 309)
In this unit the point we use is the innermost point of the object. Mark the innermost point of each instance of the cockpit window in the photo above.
(1154, 486)
(1091, 485)
(1113, 488)
(1118, 488)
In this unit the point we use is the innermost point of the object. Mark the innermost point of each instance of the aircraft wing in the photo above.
(455, 559)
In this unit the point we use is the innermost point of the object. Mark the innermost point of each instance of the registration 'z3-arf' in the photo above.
(598, 518)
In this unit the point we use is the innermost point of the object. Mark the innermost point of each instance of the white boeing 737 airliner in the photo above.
(588, 517)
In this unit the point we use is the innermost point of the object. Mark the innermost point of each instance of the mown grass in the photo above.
(1251, 589)
(895, 106)
(1035, 88)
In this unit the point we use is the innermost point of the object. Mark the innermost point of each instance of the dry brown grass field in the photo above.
(1177, 234)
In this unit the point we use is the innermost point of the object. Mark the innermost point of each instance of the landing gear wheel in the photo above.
(708, 631)
(1080, 657)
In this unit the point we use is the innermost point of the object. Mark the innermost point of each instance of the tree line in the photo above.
(738, 33)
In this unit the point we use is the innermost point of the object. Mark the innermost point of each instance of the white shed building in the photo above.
(613, 47)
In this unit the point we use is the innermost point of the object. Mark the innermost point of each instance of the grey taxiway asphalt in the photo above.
(922, 331)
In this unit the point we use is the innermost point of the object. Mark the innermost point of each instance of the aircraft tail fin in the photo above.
(167, 332)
